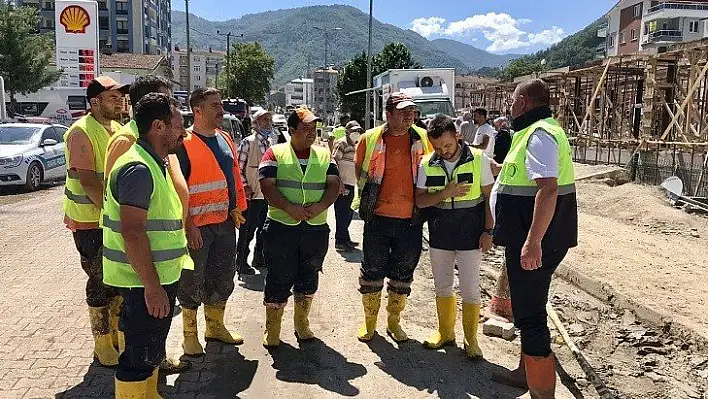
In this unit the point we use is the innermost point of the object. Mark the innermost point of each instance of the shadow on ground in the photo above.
(222, 373)
(447, 373)
(354, 256)
(97, 383)
(316, 363)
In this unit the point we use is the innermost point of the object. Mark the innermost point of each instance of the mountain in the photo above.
(574, 50)
(291, 38)
(473, 57)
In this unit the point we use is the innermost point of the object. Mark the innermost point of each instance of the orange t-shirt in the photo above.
(82, 157)
(396, 196)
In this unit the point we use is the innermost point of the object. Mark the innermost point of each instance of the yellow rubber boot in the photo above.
(215, 329)
(274, 319)
(151, 388)
(130, 390)
(447, 314)
(372, 303)
(396, 304)
(470, 324)
(300, 318)
(114, 317)
(103, 349)
(191, 344)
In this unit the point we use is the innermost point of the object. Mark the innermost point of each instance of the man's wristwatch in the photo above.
(488, 231)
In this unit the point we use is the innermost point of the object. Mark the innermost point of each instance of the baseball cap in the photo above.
(353, 126)
(260, 113)
(400, 100)
(104, 83)
(302, 114)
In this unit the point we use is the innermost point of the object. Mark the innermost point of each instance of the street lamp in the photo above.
(228, 61)
(367, 121)
(326, 37)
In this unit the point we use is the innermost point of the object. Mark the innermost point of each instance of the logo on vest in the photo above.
(512, 170)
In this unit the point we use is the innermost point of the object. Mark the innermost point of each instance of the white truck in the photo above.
(432, 89)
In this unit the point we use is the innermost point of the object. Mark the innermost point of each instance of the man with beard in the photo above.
(145, 244)
(216, 200)
(300, 182)
(86, 143)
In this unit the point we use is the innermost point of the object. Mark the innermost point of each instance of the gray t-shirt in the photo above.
(133, 184)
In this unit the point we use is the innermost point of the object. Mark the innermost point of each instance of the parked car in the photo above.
(31, 153)
(280, 121)
(233, 127)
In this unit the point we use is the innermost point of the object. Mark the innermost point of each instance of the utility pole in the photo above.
(367, 121)
(189, 49)
(228, 60)
(326, 40)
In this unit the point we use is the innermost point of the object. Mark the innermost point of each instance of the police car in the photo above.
(31, 153)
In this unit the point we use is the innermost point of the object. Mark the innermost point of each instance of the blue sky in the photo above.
(500, 26)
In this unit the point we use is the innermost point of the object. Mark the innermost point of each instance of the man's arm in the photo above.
(92, 185)
(485, 241)
(82, 161)
(359, 157)
(180, 184)
(483, 145)
(243, 149)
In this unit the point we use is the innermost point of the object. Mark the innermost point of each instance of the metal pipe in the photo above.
(189, 49)
(3, 111)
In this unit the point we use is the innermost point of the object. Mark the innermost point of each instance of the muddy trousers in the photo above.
(212, 280)
(294, 257)
(529, 295)
(255, 218)
(145, 336)
(89, 243)
(343, 214)
(391, 250)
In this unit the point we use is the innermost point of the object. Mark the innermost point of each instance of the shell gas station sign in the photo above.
(77, 42)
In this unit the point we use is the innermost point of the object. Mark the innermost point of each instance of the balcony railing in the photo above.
(663, 35)
(677, 6)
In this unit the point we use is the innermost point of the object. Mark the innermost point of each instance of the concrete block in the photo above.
(497, 328)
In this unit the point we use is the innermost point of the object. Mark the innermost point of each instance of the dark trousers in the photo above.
(391, 250)
(529, 294)
(212, 280)
(145, 336)
(343, 214)
(294, 257)
(255, 217)
(89, 243)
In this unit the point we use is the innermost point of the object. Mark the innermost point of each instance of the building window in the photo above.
(637, 11)
(633, 34)
(102, 5)
(196, 58)
(621, 39)
(197, 68)
(49, 23)
(121, 8)
(611, 40)
(103, 23)
(123, 46)
(48, 5)
(693, 26)
(121, 27)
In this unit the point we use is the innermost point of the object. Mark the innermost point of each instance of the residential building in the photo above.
(125, 26)
(652, 26)
(465, 85)
(325, 93)
(205, 65)
(299, 92)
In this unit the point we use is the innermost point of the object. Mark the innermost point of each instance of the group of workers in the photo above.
(154, 211)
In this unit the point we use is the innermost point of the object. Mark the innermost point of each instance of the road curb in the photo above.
(605, 292)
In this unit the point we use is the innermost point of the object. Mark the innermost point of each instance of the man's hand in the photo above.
(156, 301)
(313, 209)
(485, 242)
(296, 212)
(194, 236)
(249, 192)
(454, 189)
(531, 255)
(237, 217)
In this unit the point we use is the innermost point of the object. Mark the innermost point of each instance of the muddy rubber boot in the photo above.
(447, 314)
(513, 378)
(274, 319)
(174, 366)
(396, 304)
(470, 325)
(215, 329)
(151, 387)
(500, 306)
(191, 344)
(372, 303)
(130, 390)
(541, 377)
(103, 349)
(113, 319)
(300, 318)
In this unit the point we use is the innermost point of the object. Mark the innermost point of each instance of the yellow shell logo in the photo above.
(75, 19)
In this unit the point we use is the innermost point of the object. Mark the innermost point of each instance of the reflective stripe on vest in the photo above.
(164, 229)
(298, 187)
(208, 189)
(513, 179)
(76, 204)
(471, 159)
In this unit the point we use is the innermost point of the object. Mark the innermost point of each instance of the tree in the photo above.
(251, 70)
(392, 56)
(24, 54)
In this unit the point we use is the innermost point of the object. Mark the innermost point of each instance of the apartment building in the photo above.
(299, 92)
(325, 92)
(125, 26)
(205, 67)
(653, 26)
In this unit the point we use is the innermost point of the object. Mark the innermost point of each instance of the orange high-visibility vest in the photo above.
(208, 190)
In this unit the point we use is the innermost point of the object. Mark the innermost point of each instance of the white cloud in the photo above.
(426, 27)
(501, 29)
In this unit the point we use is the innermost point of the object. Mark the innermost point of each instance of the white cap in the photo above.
(260, 113)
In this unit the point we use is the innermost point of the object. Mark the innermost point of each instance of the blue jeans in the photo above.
(343, 214)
